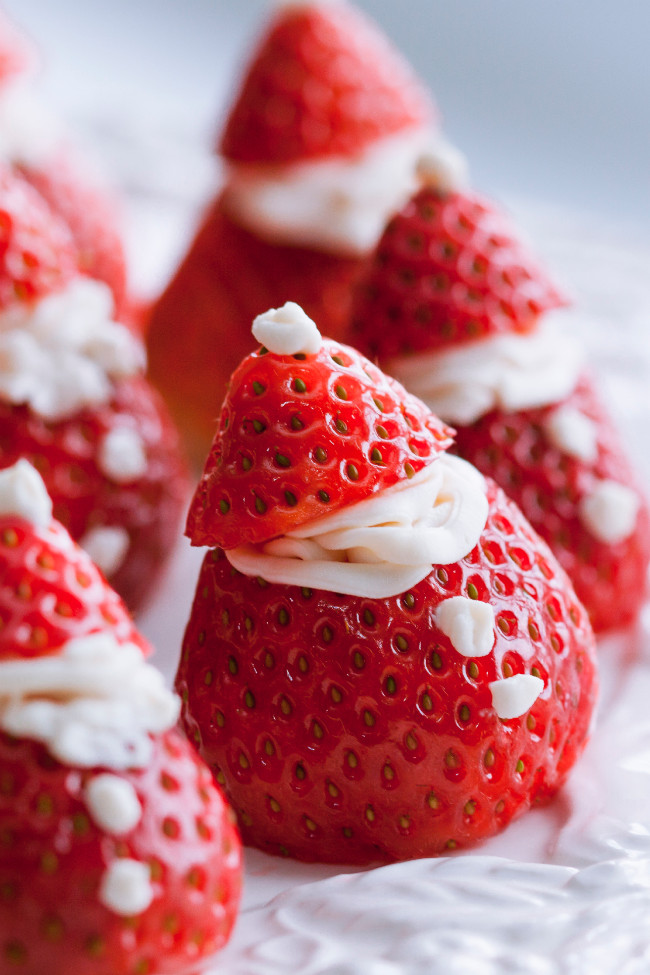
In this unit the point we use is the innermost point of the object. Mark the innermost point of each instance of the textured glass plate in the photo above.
(566, 889)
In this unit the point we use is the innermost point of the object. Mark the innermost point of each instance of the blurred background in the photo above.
(549, 100)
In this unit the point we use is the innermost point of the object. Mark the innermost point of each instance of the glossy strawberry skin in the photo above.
(54, 855)
(199, 329)
(324, 83)
(449, 269)
(88, 212)
(350, 730)
(51, 592)
(515, 450)
(37, 254)
(65, 453)
(302, 436)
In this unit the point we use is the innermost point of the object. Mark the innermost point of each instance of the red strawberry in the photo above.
(303, 435)
(107, 868)
(324, 82)
(99, 434)
(199, 330)
(356, 728)
(520, 451)
(89, 211)
(447, 279)
(449, 269)
(37, 254)
(324, 87)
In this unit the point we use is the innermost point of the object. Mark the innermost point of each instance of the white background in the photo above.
(550, 99)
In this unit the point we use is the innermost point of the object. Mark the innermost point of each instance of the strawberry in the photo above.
(198, 331)
(73, 401)
(116, 858)
(453, 307)
(448, 269)
(16, 54)
(304, 435)
(330, 120)
(521, 451)
(89, 211)
(323, 82)
(351, 726)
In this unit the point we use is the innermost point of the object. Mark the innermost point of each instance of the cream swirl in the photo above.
(338, 205)
(511, 372)
(384, 544)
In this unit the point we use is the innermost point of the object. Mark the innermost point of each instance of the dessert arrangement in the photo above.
(386, 671)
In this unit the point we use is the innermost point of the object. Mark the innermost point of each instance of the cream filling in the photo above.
(63, 353)
(96, 703)
(382, 545)
(338, 205)
(509, 372)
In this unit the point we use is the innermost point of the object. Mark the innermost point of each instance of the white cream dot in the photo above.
(287, 331)
(122, 455)
(125, 887)
(573, 433)
(113, 803)
(469, 624)
(107, 546)
(610, 511)
(23, 493)
(515, 695)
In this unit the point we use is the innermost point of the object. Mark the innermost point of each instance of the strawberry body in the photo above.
(301, 436)
(324, 82)
(66, 452)
(449, 269)
(54, 857)
(199, 329)
(88, 211)
(350, 730)
(515, 449)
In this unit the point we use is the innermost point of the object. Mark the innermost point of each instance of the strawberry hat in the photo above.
(324, 83)
(449, 269)
(308, 427)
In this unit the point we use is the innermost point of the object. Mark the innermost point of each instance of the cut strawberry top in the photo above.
(37, 256)
(449, 269)
(303, 435)
(324, 82)
(51, 592)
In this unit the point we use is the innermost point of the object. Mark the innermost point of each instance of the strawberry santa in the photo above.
(118, 852)
(318, 150)
(455, 307)
(74, 401)
(34, 142)
(383, 660)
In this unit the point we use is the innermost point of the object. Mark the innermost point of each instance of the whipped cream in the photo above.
(609, 511)
(382, 545)
(287, 331)
(29, 133)
(338, 205)
(122, 455)
(95, 703)
(107, 546)
(513, 696)
(64, 352)
(126, 888)
(23, 493)
(573, 433)
(469, 624)
(511, 372)
(113, 803)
